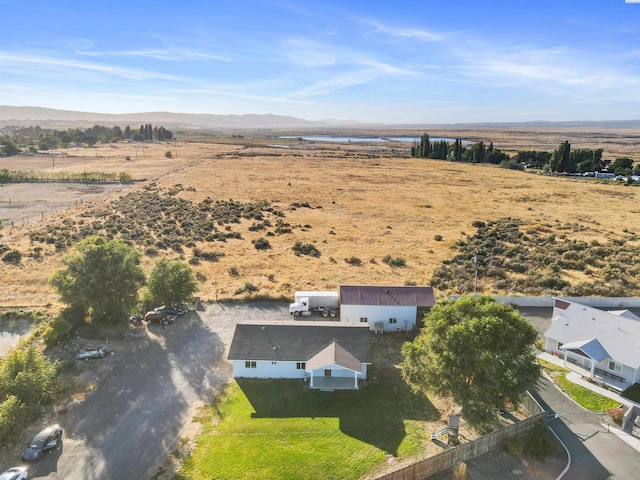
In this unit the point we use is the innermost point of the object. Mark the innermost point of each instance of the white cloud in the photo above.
(405, 33)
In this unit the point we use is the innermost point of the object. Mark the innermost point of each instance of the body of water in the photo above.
(330, 138)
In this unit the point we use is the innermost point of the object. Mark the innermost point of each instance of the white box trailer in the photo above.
(324, 302)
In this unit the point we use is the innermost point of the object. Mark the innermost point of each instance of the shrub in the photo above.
(233, 271)
(438, 238)
(306, 249)
(168, 154)
(393, 262)
(539, 443)
(616, 414)
(460, 471)
(57, 330)
(12, 256)
(261, 244)
(513, 446)
(355, 261)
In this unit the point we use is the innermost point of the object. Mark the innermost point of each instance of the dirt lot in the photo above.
(133, 407)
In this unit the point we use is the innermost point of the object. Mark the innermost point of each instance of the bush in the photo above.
(393, 262)
(306, 249)
(539, 443)
(168, 154)
(12, 256)
(355, 261)
(57, 330)
(616, 414)
(261, 244)
(438, 238)
(233, 271)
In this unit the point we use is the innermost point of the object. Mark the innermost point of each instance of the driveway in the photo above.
(595, 453)
(146, 395)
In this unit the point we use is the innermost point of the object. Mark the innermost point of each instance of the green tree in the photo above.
(100, 282)
(476, 350)
(9, 148)
(26, 374)
(622, 165)
(170, 282)
(561, 158)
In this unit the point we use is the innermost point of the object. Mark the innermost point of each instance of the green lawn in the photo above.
(587, 398)
(279, 429)
(583, 396)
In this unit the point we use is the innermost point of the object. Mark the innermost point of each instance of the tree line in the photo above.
(34, 138)
(563, 159)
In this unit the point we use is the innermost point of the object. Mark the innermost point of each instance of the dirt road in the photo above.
(145, 396)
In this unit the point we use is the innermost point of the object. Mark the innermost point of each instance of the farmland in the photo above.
(235, 209)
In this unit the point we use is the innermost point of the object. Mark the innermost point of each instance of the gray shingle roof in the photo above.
(334, 354)
(618, 335)
(297, 340)
(387, 296)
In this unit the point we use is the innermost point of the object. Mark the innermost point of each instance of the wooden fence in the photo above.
(450, 458)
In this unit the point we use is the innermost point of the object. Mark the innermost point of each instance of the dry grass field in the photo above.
(347, 201)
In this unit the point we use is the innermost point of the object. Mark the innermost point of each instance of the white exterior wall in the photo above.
(337, 371)
(267, 369)
(629, 374)
(406, 316)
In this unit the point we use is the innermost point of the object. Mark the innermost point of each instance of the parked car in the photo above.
(47, 440)
(88, 353)
(157, 317)
(15, 473)
(170, 310)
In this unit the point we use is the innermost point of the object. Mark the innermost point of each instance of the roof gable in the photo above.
(334, 354)
(298, 340)
(618, 335)
(387, 296)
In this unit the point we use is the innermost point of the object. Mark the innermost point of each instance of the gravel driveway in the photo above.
(145, 396)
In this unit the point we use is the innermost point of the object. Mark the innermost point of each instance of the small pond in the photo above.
(11, 332)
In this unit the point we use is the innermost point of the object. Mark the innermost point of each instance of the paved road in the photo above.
(138, 411)
(595, 453)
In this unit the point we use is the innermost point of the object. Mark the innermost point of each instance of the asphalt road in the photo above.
(147, 396)
(595, 453)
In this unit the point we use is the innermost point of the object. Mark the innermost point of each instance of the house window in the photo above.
(301, 365)
(615, 367)
(250, 364)
(364, 319)
(393, 320)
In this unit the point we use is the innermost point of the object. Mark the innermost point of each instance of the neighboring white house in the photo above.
(385, 308)
(331, 355)
(605, 343)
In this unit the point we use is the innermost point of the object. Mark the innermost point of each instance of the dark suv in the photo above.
(47, 439)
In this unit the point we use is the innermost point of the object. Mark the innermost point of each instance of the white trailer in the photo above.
(324, 302)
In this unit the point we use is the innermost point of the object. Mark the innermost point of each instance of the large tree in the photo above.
(170, 282)
(100, 282)
(476, 350)
(561, 158)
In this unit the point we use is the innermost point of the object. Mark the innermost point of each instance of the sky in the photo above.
(392, 62)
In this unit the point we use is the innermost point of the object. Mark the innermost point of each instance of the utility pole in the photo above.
(175, 143)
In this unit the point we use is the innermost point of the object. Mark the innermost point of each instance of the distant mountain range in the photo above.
(52, 118)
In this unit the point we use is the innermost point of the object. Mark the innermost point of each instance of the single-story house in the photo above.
(330, 355)
(607, 343)
(385, 308)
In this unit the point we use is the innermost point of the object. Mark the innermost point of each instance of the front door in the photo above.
(327, 373)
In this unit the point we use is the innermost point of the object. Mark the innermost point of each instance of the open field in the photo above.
(348, 202)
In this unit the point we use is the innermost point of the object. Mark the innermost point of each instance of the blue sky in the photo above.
(418, 62)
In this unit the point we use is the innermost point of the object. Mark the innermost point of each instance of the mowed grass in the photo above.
(280, 429)
(583, 396)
